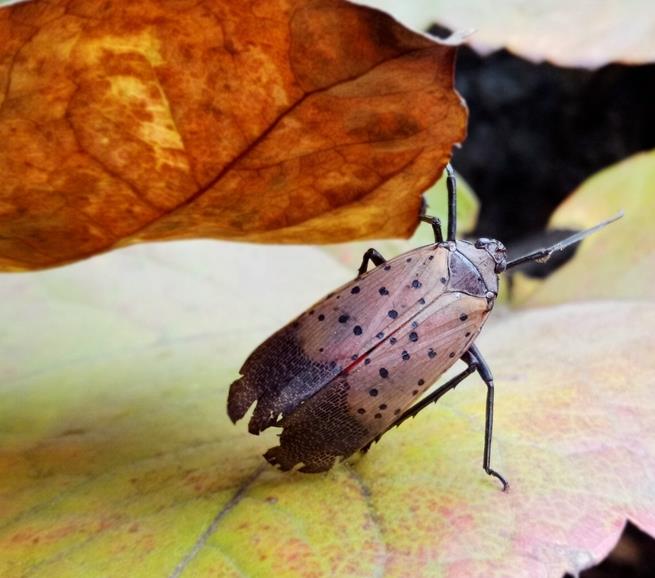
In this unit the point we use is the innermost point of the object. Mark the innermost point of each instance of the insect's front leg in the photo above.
(436, 227)
(485, 373)
(370, 255)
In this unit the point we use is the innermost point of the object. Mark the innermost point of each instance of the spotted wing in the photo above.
(369, 396)
(308, 353)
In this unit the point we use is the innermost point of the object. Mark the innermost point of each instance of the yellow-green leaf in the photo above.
(118, 458)
(618, 262)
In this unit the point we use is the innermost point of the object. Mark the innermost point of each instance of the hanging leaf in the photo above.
(289, 121)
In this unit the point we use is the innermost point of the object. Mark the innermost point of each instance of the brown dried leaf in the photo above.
(282, 121)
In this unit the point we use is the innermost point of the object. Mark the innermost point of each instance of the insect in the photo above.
(358, 362)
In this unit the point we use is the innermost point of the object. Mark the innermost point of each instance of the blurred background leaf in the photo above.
(586, 33)
(618, 262)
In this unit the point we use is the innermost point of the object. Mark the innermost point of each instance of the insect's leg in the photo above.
(451, 185)
(485, 374)
(430, 399)
(370, 255)
(436, 227)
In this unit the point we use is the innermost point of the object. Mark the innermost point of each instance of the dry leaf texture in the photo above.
(285, 121)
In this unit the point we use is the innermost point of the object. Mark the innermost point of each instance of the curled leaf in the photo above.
(297, 120)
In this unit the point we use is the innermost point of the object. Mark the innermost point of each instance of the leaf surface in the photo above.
(587, 34)
(128, 122)
(118, 458)
(618, 262)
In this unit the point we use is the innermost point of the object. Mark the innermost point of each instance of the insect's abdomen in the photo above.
(367, 397)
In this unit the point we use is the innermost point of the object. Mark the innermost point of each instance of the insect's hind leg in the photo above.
(370, 255)
(473, 358)
(485, 373)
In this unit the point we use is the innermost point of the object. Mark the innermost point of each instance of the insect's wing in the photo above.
(301, 358)
(370, 396)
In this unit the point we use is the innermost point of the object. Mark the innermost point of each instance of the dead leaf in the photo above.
(581, 34)
(618, 262)
(117, 454)
(288, 121)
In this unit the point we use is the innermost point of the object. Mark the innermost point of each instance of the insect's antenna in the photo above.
(542, 255)
(451, 185)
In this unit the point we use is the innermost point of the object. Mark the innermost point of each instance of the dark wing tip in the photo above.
(239, 399)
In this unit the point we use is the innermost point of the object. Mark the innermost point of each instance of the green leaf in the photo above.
(618, 262)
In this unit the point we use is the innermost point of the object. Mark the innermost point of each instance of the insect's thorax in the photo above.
(473, 269)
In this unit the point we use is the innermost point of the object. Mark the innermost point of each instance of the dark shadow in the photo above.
(632, 557)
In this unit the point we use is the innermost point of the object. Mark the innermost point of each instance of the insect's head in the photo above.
(496, 250)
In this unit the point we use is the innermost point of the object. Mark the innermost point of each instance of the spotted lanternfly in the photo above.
(354, 365)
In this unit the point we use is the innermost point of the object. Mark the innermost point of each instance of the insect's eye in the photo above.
(482, 243)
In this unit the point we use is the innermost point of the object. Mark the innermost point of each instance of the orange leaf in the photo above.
(281, 121)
